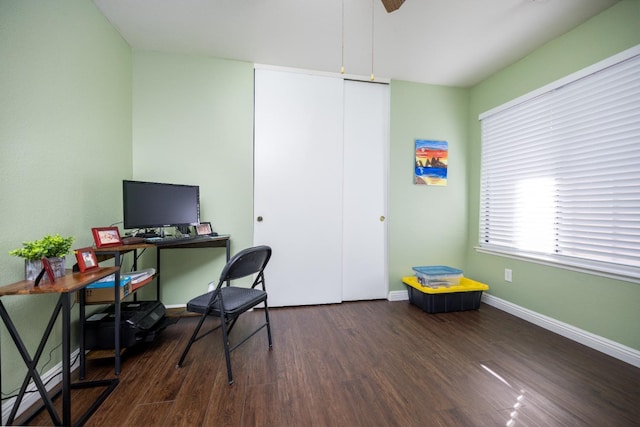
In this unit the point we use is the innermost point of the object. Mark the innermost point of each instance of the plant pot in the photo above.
(33, 267)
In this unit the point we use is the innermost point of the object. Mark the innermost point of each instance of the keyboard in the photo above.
(177, 240)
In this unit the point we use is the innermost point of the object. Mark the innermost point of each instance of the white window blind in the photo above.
(560, 177)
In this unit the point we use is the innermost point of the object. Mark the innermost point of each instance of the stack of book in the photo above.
(140, 276)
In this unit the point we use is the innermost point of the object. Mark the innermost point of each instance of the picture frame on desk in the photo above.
(106, 236)
(204, 229)
(86, 258)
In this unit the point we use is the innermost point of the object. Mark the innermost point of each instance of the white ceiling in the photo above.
(442, 42)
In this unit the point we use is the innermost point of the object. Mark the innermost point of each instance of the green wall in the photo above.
(427, 225)
(605, 307)
(65, 142)
(193, 124)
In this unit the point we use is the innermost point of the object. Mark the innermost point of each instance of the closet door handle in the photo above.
(382, 218)
(259, 219)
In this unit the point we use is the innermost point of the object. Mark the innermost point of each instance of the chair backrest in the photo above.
(246, 262)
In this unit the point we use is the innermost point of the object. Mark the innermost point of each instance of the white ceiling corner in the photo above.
(442, 42)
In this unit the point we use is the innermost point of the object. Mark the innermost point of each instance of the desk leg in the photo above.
(135, 268)
(158, 273)
(66, 358)
(31, 364)
(64, 305)
(81, 340)
(117, 320)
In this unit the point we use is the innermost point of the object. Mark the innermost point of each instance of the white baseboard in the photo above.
(604, 345)
(50, 379)
(398, 296)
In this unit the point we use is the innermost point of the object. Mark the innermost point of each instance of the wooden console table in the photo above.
(64, 286)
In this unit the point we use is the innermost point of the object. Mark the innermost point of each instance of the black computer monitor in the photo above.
(154, 204)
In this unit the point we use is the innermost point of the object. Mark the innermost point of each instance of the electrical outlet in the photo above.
(507, 274)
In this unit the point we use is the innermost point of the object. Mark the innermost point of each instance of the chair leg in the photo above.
(233, 322)
(227, 352)
(192, 339)
(266, 316)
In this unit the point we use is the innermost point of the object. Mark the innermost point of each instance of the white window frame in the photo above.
(548, 247)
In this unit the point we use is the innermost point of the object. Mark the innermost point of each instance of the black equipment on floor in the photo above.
(140, 321)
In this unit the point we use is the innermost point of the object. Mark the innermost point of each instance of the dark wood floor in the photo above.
(371, 364)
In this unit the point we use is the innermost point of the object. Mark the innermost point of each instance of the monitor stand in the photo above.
(148, 233)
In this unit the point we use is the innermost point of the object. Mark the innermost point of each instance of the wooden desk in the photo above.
(65, 287)
(116, 252)
(221, 241)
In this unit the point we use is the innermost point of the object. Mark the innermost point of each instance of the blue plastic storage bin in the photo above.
(438, 274)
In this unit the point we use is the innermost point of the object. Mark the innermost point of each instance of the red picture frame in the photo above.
(46, 265)
(86, 258)
(106, 236)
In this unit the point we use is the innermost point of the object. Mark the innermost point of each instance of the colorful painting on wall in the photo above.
(431, 162)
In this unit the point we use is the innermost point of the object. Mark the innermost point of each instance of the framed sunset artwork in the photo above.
(431, 162)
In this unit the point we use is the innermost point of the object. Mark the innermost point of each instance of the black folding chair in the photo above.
(229, 302)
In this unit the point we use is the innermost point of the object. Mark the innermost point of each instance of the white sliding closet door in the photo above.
(298, 184)
(366, 141)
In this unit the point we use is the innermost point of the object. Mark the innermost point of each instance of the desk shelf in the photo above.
(105, 295)
(103, 354)
(136, 286)
(116, 252)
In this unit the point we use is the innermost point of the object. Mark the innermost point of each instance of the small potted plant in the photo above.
(52, 247)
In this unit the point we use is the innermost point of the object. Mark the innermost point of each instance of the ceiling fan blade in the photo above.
(392, 5)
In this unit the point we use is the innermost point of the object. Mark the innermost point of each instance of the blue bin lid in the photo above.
(437, 270)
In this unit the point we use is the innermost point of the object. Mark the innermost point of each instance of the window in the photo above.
(560, 176)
